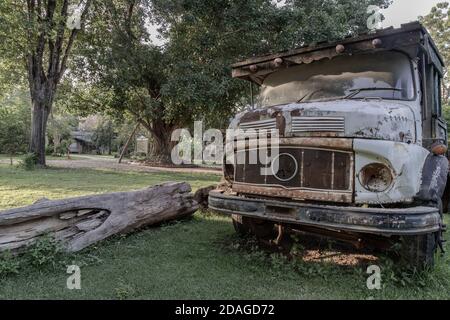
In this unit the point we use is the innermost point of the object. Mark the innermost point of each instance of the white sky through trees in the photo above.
(401, 11)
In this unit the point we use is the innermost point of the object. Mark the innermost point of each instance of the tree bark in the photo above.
(83, 221)
(161, 148)
(161, 144)
(41, 111)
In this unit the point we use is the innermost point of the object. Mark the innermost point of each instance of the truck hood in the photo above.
(373, 119)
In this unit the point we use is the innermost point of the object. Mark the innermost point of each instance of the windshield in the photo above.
(386, 75)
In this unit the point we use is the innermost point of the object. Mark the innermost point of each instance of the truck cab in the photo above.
(361, 151)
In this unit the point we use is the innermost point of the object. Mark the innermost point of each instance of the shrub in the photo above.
(49, 150)
(8, 264)
(29, 161)
(44, 252)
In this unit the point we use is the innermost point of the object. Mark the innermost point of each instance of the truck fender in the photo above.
(434, 179)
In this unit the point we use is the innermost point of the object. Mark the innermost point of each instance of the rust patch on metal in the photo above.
(281, 123)
(316, 143)
(328, 196)
(322, 170)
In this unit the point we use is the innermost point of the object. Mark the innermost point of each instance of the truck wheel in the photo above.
(259, 228)
(241, 225)
(262, 229)
(418, 251)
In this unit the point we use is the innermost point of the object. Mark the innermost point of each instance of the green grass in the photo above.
(19, 187)
(200, 258)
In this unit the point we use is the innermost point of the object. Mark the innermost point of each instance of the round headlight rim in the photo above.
(382, 166)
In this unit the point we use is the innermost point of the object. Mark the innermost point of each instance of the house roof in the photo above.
(83, 136)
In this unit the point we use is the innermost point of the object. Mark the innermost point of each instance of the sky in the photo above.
(401, 11)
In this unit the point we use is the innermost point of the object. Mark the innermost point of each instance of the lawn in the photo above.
(200, 258)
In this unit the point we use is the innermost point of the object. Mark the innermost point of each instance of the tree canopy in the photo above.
(39, 36)
(438, 24)
(117, 69)
(15, 116)
(188, 78)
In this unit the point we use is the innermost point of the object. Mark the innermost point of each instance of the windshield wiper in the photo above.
(308, 95)
(303, 98)
(354, 92)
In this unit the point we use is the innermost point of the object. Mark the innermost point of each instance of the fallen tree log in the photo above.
(80, 222)
(201, 196)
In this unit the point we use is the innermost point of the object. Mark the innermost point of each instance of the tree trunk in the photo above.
(160, 150)
(161, 145)
(50, 45)
(41, 110)
(56, 141)
(83, 221)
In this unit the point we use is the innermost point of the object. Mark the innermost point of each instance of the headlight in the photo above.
(376, 177)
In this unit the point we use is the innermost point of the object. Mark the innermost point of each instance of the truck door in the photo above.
(439, 124)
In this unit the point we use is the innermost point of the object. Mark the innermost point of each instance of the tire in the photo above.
(240, 225)
(262, 229)
(418, 251)
(257, 227)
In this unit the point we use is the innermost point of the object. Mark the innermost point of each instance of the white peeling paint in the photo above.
(406, 162)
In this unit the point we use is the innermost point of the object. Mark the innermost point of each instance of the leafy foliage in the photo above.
(28, 162)
(45, 254)
(45, 251)
(14, 123)
(438, 24)
(104, 135)
(34, 35)
(205, 37)
(8, 264)
(188, 78)
(60, 126)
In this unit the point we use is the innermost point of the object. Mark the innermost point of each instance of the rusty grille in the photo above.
(300, 168)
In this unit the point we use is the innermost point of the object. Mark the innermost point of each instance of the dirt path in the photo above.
(99, 162)
(93, 162)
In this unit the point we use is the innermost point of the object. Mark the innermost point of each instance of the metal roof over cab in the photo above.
(412, 39)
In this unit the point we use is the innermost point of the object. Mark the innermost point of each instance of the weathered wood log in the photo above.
(201, 196)
(82, 221)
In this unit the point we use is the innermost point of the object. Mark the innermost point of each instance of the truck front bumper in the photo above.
(387, 222)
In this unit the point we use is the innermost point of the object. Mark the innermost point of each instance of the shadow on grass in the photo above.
(321, 258)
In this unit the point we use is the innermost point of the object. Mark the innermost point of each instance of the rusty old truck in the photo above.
(362, 154)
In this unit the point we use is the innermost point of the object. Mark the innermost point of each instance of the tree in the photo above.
(35, 33)
(15, 115)
(165, 88)
(104, 135)
(60, 126)
(205, 37)
(438, 24)
(128, 70)
(310, 21)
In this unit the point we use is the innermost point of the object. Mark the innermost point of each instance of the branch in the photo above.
(63, 66)
(56, 50)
